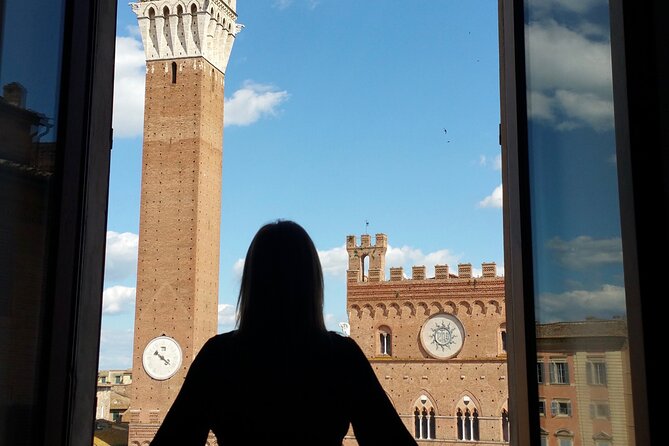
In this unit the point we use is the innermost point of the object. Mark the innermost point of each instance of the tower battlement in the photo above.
(172, 30)
(366, 255)
(359, 271)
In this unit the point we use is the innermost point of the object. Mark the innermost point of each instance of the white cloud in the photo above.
(540, 106)
(570, 80)
(605, 303)
(407, 257)
(495, 162)
(252, 102)
(282, 4)
(587, 108)
(494, 200)
(334, 261)
(238, 269)
(118, 300)
(133, 31)
(115, 349)
(585, 252)
(129, 78)
(227, 317)
(577, 6)
(121, 256)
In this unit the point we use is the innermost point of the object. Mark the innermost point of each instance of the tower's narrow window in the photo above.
(424, 426)
(460, 425)
(416, 422)
(475, 425)
(503, 336)
(364, 265)
(433, 425)
(174, 72)
(193, 24)
(468, 425)
(385, 341)
(505, 425)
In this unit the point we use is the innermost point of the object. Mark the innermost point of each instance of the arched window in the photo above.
(174, 72)
(503, 336)
(565, 437)
(467, 420)
(425, 420)
(505, 425)
(385, 341)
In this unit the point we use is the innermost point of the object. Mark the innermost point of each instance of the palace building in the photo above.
(437, 344)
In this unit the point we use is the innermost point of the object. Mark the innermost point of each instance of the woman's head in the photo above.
(282, 283)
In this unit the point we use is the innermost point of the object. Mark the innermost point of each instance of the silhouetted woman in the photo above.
(281, 377)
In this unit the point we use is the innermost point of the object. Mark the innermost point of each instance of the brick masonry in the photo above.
(411, 376)
(177, 275)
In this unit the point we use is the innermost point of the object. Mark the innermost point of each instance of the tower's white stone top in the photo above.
(173, 29)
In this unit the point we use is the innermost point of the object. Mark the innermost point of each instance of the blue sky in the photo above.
(337, 113)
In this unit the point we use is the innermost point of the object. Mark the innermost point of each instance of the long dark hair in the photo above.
(282, 283)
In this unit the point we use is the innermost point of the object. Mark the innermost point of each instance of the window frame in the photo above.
(558, 371)
(639, 91)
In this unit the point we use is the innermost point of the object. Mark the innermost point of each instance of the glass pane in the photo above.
(30, 56)
(577, 251)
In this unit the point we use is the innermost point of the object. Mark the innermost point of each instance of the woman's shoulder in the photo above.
(342, 343)
(219, 341)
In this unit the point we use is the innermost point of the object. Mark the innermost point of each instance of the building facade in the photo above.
(187, 46)
(113, 394)
(437, 344)
(585, 396)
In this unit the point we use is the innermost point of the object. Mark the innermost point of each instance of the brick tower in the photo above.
(187, 46)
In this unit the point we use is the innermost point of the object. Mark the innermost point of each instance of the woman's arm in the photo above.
(375, 421)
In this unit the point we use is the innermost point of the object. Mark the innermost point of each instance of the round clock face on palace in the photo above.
(162, 357)
(442, 336)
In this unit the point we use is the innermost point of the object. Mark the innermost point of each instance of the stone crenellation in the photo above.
(376, 253)
(173, 29)
(443, 378)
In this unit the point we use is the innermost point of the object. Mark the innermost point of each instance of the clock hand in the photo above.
(166, 361)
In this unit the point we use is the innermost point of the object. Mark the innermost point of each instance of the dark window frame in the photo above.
(76, 270)
(640, 71)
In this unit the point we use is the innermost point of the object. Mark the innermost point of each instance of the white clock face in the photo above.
(162, 357)
(442, 336)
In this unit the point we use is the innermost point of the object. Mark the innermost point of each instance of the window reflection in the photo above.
(583, 361)
(30, 53)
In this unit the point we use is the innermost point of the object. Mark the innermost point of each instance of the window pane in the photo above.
(576, 241)
(30, 60)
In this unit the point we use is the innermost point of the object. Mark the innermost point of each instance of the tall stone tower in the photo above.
(187, 46)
